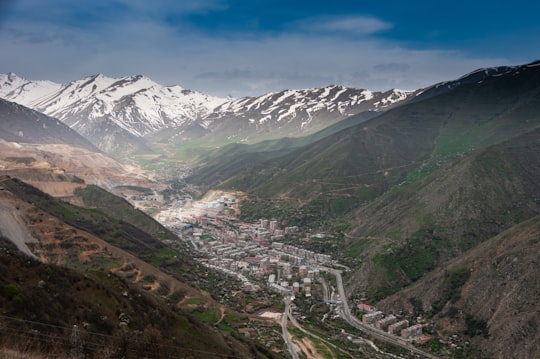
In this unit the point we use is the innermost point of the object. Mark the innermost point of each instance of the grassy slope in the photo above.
(120, 209)
(40, 317)
(222, 163)
(423, 224)
(362, 162)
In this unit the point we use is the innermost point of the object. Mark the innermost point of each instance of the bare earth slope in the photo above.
(500, 286)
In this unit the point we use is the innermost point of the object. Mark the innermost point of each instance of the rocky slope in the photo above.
(47, 153)
(496, 284)
(99, 250)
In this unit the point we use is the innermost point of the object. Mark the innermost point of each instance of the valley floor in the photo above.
(255, 255)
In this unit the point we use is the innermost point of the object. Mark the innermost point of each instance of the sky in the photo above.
(248, 48)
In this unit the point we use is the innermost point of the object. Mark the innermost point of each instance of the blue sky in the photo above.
(242, 48)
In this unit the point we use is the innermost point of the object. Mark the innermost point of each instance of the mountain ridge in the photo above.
(384, 150)
(110, 112)
(130, 114)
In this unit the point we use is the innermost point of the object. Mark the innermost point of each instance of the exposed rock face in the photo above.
(13, 223)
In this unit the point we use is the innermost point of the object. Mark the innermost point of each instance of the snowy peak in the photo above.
(112, 112)
(18, 89)
(134, 103)
(9, 80)
(307, 108)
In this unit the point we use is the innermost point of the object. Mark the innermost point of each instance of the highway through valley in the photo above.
(345, 313)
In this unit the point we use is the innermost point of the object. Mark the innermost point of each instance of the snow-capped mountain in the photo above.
(105, 109)
(120, 114)
(290, 104)
(294, 112)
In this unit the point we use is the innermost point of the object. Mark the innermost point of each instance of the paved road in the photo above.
(284, 331)
(297, 325)
(345, 312)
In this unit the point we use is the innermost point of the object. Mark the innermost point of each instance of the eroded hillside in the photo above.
(490, 294)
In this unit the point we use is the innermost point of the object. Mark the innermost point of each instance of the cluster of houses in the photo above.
(253, 251)
(389, 323)
(307, 276)
(280, 266)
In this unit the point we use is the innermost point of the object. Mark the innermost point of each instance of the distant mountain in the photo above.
(134, 114)
(23, 125)
(364, 161)
(293, 112)
(289, 113)
(111, 112)
(41, 150)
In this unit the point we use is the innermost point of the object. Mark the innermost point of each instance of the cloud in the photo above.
(312, 53)
(391, 67)
(356, 25)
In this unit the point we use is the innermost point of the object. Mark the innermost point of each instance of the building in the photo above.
(385, 322)
(365, 307)
(307, 286)
(411, 332)
(371, 318)
(397, 327)
(303, 271)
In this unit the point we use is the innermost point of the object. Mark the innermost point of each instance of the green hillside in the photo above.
(225, 162)
(404, 144)
(120, 209)
(488, 297)
(111, 272)
(425, 223)
(42, 304)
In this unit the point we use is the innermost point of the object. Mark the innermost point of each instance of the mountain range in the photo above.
(110, 112)
(429, 196)
(126, 115)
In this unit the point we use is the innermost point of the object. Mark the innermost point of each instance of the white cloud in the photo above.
(359, 25)
(224, 65)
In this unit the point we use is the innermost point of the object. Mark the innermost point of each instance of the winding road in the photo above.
(345, 312)
(285, 333)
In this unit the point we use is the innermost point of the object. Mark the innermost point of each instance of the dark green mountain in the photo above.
(362, 162)
(441, 196)
(234, 158)
(414, 228)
